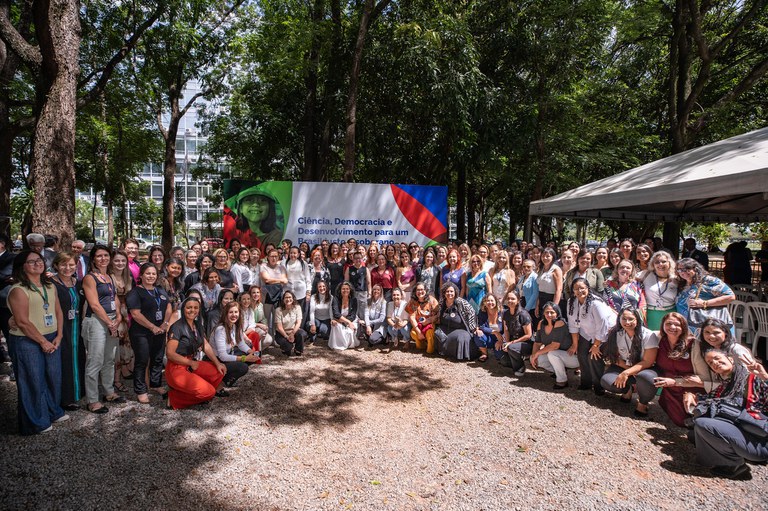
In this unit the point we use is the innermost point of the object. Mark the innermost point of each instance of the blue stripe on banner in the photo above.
(434, 198)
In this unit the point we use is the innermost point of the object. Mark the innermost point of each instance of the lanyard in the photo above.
(157, 296)
(43, 295)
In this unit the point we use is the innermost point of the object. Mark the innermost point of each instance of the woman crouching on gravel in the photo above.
(230, 346)
(191, 379)
(631, 350)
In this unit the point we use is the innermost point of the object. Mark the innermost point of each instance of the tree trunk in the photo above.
(331, 90)
(310, 102)
(57, 28)
(110, 223)
(471, 225)
(169, 173)
(354, 83)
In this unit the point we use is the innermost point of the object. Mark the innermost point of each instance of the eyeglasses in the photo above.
(35, 261)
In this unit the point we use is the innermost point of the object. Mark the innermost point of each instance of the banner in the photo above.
(259, 213)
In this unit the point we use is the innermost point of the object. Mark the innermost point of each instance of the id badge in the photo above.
(158, 315)
(71, 314)
(48, 319)
(112, 304)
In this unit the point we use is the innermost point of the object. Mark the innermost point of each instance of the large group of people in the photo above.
(627, 319)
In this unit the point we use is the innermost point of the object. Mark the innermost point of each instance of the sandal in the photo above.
(143, 399)
(120, 386)
(161, 391)
(99, 411)
(482, 358)
(115, 399)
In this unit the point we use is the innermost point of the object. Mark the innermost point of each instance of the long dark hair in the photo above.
(18, 269)
(735, 387)
(92, 255)
(591, 297)
(549, 251)
(238, 325)
(636, 346)
(555, 307)
(177, 282)
(682, 347)
(327, 296)
(727, 345)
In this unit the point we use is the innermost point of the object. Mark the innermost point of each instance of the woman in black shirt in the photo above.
(151, 311)
(191, 379)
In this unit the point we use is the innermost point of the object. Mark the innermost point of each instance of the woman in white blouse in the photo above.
(230, 346)
(299, 280)
(502, 276)
(320, 312)
(660, 286)
(241, 270)
(630, 351)
(589, 321)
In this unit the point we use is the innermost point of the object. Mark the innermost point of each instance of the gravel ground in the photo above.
(367, 429)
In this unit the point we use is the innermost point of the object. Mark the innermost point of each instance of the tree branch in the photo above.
(118, 57)
(193, 99)
(28, 53)
(760, 70)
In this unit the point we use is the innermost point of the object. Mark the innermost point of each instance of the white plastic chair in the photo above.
(746, 296)
(740, 315)
(757, 313)
(749, 288)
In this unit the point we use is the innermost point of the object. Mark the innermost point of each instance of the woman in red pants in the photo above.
(191, 379)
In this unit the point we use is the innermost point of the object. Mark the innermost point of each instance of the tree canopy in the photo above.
(503, 102)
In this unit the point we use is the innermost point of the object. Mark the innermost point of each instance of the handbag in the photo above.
(273, 293)
(697, 317)
(735, 413)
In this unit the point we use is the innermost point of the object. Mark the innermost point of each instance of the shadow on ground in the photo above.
(121, 460)
(323, 387)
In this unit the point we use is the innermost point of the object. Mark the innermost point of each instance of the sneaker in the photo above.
(63, 418)
(520, 372)
(46, 430)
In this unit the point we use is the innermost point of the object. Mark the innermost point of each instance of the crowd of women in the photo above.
(627, 320)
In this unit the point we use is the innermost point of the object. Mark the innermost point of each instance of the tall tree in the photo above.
(371, 11)
(45, 35)
(191, 44)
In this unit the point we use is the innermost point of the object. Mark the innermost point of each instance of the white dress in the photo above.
(343, 337)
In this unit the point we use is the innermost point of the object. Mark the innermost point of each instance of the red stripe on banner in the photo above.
(419, 216)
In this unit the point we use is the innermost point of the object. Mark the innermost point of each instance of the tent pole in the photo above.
(672, 237)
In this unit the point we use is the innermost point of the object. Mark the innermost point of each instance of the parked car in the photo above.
(143, 243)
(214, 243)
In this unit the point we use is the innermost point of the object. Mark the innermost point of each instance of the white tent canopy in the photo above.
(722, 182)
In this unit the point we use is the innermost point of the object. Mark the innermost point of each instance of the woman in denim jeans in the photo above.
(34, 344)
(102, 318)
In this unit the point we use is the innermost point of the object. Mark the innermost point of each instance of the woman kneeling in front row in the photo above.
(631, 352)
(553, 349)
(722, 443)
(191, 379)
